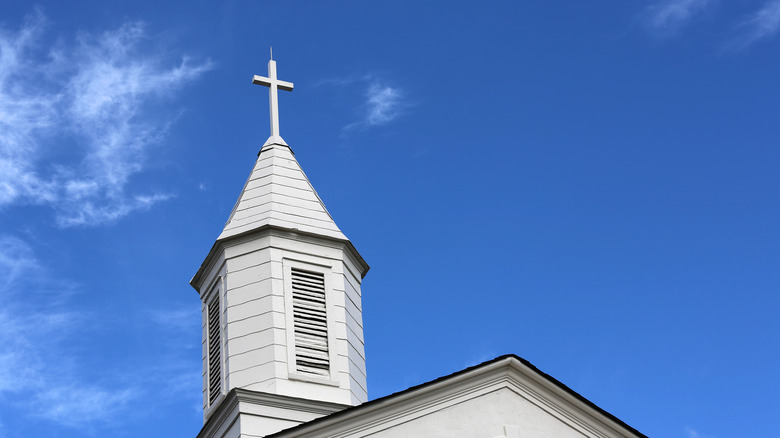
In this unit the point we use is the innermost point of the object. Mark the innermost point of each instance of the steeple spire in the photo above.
(281, 302)
(273, 85)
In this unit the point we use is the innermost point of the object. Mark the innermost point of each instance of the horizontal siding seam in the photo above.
(237, 355)
(252, 316)
(253, 299)
(253, 366)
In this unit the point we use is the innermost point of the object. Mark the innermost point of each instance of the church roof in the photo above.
(416, 397)
(279, 194)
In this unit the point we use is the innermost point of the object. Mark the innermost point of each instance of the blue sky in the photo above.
(590, 185)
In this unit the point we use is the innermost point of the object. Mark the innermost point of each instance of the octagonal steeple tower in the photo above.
(281, 302)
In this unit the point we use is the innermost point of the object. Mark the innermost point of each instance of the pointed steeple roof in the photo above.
(279, 194)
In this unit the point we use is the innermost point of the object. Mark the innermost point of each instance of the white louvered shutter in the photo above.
(215, 359)
(311, 323)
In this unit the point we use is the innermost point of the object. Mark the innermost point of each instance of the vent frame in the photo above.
(316, 334)
(214, 346)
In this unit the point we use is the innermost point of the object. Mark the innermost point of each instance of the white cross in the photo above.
(273, 84)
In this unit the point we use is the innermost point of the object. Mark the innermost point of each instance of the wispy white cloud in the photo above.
(763, 24)
(182, 326)
(76, 405)
(93, 113)
(16, 258)
(669, 16)
(691, 433)
(381, 102)
(42, 328)
(35, 331)
(177, 319)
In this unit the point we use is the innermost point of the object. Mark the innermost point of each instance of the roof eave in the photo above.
(509, 361)
(215, 249)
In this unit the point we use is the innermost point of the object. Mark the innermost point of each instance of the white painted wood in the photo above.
(255, 357)
(243, 327)
(251, 292)
(249, 275)
(258, 414)
(355, 397)
(268, 168)
(503, 398)
(484, 417)
(279, 221)
(275, 161)
(251, 341)
(275, 198)
(296, 215)
(266, 182)
(254, 308)
(352, 310)
(351, 290)
(235, 262)
(246, 377)
(358, 393)
(357, 356)
(259, 352)
(273, 85)
(358, 374)
(354, 328)
(319, 392)
(290, 185)
(351, 321)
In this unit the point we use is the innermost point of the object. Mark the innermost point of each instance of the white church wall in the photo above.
(356, 356)
(506, 397)
(484, 417)
(258, 347)
(257, 377)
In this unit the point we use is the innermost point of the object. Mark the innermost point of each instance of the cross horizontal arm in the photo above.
(282, 85)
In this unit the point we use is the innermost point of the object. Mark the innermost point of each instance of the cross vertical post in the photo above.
(273, 85)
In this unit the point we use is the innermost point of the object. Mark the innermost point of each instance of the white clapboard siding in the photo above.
(278, 193)
(215, 357)
(310, 322)
(289, 320)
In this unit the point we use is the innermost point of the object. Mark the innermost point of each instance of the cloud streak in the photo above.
(691, 433)
(42, 330)
(763, 24)
(36, 328)
(381, 104)
(671, 15)
(93, 115)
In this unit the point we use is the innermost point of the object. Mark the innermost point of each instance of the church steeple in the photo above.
(281, 299)
(278, 193)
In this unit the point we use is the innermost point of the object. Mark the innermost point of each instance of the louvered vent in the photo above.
(215, 360)
(311, 323)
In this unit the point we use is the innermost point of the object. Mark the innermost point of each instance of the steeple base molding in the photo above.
(245, 413)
